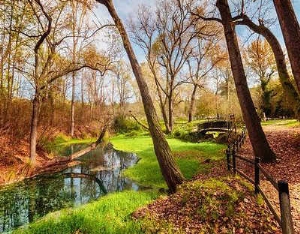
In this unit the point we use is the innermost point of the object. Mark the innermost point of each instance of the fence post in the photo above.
(234, 161)
(240, 141)
(285, 208)
(228, 157)
(236, 143)
(256, 180)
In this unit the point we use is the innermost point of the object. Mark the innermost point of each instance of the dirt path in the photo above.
(285, 142)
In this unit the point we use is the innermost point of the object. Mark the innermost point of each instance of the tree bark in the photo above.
(191, 109)
(257, 137)
(162, 104)
(169, 169)
(74, 19)
(170, 110)
(291, 33)
(34, 126)
(284, 77)
(72, 127)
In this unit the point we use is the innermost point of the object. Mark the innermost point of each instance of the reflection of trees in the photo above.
(24, 202)
(87, 176)
(117, 160)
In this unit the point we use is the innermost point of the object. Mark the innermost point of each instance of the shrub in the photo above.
(122, 124)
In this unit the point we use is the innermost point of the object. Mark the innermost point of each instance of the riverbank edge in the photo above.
(55, 164)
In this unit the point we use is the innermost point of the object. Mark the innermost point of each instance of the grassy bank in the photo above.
(281, 122)
(56, 146)
(112, 213)
(188, 156)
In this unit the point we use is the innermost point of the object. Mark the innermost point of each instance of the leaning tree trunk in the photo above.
(170, 171)
(291, 33)
(257, 137)
(284, 77)
(191, 108)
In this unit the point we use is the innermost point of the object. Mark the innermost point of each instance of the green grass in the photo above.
(78, 141)
(188, 156)
(282, 122)
(55, 147)
(110, 214)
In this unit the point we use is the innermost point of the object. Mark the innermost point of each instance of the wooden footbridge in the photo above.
(215, 126)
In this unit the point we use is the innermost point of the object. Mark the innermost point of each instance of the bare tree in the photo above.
(144, 34)
(166, 37)
(201, 62)
(169, 169)
(124, 87)
(49, 65)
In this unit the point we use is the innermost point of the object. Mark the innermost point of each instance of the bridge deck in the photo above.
(205, 130)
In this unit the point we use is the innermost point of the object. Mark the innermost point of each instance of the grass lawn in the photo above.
(188, 156)
(112, 213)
(282, 122)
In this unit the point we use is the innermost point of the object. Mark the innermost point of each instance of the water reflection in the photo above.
(99, 173)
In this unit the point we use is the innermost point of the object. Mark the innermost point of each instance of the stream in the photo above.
(98, 173)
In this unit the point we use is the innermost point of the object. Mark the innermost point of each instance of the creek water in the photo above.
(98, 173)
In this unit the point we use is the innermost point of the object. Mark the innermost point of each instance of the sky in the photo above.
(127, 8)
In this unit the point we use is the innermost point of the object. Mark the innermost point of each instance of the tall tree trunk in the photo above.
(191, 109)
(257, 137)
(9, 63)
(34, 126)
(161, 102)
(37, 79)
(73, 106)
(164, 115)
(284, 77)
(82, 92)
(291, 34)
(170, 108)
(169, 169)
(74, 15)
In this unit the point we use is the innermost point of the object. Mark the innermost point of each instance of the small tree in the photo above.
(261, 61)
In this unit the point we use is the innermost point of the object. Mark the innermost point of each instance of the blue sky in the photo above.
(127, 8)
